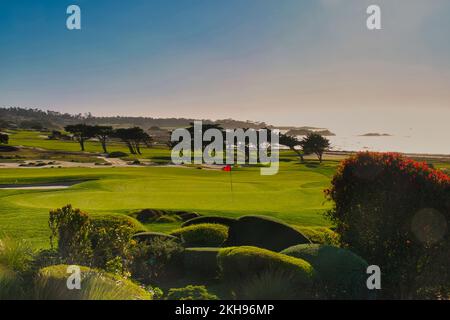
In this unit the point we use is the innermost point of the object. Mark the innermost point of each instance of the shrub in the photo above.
(393, 211)
(111, 244)
(201, 262)
(51, 284)
(16, 255)
(149, 236)
(156, 260)
(117, 154)
(202, 235)
(11, 285)
(167, 219)
(269, 285)
(71, 227)
(190, 292)
(263, 232)
(319, 235)
(342, 273)
(239, 264)
(207, 219)
(156, 215)
(102, 242)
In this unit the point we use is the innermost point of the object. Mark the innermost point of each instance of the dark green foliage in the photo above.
(134, 138)
(201, 262)
(161, 216)
(71, 228)
(292, 143)
(240, 264)
(270, 285)
(4, 138)
(190, 293)
(103, 242)
(210, 219)
(156, 260)
(202, 235)
(315, 143)
(394, 212)
(51, 284)
(264, 232)
(342, 273)
(319, 235)
(149, 236)
(81, 133)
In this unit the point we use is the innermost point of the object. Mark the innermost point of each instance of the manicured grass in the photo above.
(294, 195)
(39, 140)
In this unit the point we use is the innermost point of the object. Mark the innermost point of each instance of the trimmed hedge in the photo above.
(50, 283)
(342, 273)
(241, 264)
(150, 236)
(190, 292)
(319, 235)
(114, 220)
(210, 219)
(264, 232)
(202, 235)
(201, 262)
(162, 216)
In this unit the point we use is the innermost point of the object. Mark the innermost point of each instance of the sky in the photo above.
(285, 62)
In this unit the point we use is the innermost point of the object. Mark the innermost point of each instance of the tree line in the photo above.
(134, 138)
(311, 143)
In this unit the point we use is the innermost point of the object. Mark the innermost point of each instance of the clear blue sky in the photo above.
(282, 61)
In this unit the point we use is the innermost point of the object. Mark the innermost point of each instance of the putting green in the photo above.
(294, 195)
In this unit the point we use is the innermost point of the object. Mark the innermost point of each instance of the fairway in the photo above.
(294, 195)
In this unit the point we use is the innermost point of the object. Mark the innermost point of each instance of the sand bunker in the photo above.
(40, 186)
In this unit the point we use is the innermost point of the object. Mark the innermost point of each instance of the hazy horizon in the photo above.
(288, 62)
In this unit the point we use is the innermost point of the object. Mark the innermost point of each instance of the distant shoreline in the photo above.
(411, 155)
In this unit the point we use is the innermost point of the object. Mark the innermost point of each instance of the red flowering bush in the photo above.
(394, 212)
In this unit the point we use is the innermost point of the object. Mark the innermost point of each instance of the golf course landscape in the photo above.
(294, 195)
(202, 232)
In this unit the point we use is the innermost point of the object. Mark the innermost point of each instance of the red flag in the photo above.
(227, 168)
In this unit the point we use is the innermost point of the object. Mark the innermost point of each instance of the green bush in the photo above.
(393, 211)
(342, 273)
(156, 215)
(149, 236)
(201, 262)
(190, 293)
(111, 243)
(102, 242)
(210, 219)
(240, 264)
(202, 235)
(270, 285)
(71, 228)
(117, 154)
(263, 232)
(156, 260)
(319, 235)
(16, 255)
(12, 286)
(51, 284)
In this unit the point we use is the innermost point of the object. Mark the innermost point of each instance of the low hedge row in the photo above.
(201, 262)
(241, 264)
(342, 273)
(264, 232)
(202, 235)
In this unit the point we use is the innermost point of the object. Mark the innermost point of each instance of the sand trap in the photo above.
(40, 186)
